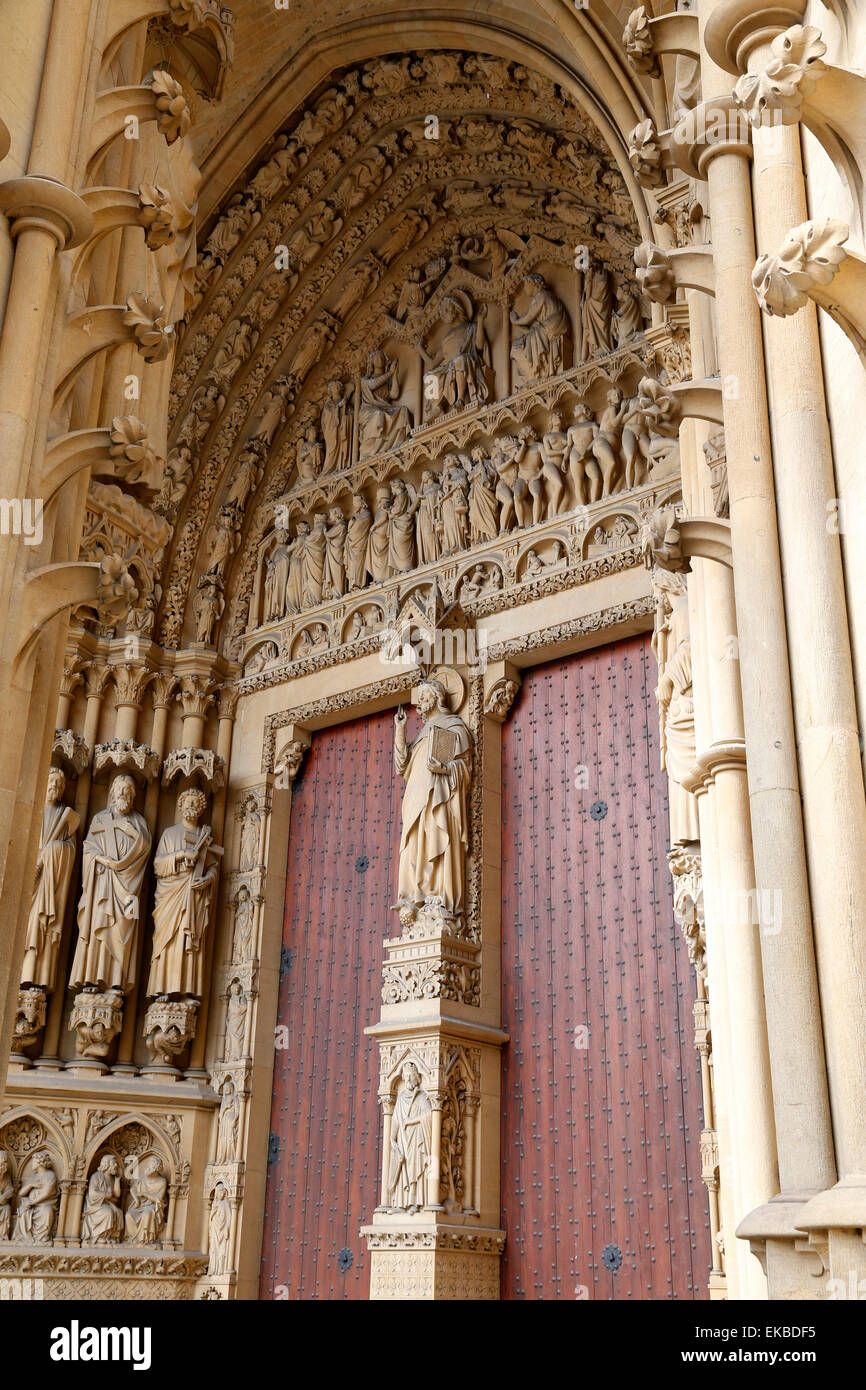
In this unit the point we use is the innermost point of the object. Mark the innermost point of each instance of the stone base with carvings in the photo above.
(29, 1273)
(439, 1263)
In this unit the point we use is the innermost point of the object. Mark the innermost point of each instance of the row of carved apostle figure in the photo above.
(475, 498)
(107, 1218)
(115, 856)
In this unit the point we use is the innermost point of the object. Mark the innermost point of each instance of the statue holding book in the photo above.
(437, 767)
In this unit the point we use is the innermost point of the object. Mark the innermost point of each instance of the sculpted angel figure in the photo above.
(51, 889)
(114, 859)
(437, 767)
(456, 372)
(382, 424)
(185, 867)
(541, 350)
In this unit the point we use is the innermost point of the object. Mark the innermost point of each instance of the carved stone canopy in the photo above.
(200, 765)
(69, 752)
(118, 755)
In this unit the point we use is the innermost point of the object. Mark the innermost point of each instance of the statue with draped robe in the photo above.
(185, 867)
(51, 890)
(114, 860)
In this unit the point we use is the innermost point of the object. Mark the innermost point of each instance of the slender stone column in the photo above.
(825, 715)
(799, 1080)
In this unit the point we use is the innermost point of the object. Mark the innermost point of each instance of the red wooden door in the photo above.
(601, 1187)
(323, 1173)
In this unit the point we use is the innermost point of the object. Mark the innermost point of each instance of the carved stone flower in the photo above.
(129, 448)
(146, 317)
(174, 119)
(645, 155)
(654, 272)
(156, 216)
(637, 40)
(809, 256)
(790, 75)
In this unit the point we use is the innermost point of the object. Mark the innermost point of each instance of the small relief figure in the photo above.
(276, 579)
(553, 447)
(51, 888)
(236, 1017)
(336, 427)
(309, 457)
(627, 317)
(219, 1226)
(145, 1215)
(437, 768)
(315, 551)
(411, 1143)
(357, 538)
(583, 467)
(295, 582)
(401, 538)
(250, 833)
(528, 488)
(541, 350)
(672, 647)
(7, 1192)
(454, 506)
(378, 562)
(272, 412)
(483, 505)
(335, 554)
(607, 448)
(228, 1123)
(427, 519)
(596, 310)
(185, 868)
(382, 424)
(456, 372)
(114, 860)
(242, 950)
(208, 607)
(38, 1196)
(102, 1222)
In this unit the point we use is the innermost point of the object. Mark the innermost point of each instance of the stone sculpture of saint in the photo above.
(315, 551)
(229, 1123)
(411, 1143)
(382, 424)
(672, 647)
(335, 554)
(357, 538)
(51, 890)
(145, 1214)
(427, 519)
(401, 538)
(596, 310)
(38, 1196)
(379, 537)
(336, 427)
(219, 1226)
(456, 373)
(277, 578)
(541, 349)
(102, 1222)
(185, 868)
(7, 1192)
(454, 506)
(295, 581)
(437, 767)
(483, 506)
(114, 860)
(236, 1015)
(309, 457)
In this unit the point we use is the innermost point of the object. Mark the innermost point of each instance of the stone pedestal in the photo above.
(435, 1262)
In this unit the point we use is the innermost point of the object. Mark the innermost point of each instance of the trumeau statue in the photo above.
(456, 372)
(102, 1222)
(672, 647)
(114, 860)
(411, 1142)
(541, 349)
(53, 876)
(437, 767)
(382, 424)
(185, 868)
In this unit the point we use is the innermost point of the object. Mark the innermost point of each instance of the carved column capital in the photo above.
(776, 91)
(130, 682)
(196, 695)
(163, 688)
